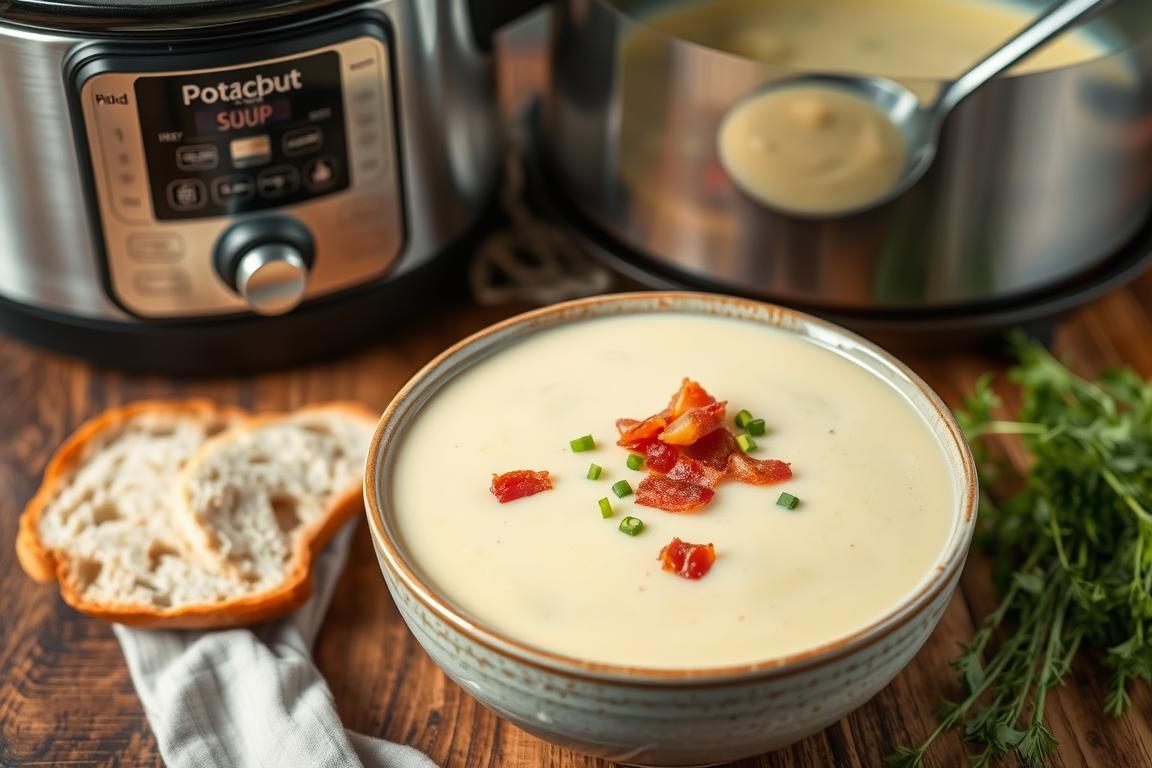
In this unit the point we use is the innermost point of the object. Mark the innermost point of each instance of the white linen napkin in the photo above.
(251, 697)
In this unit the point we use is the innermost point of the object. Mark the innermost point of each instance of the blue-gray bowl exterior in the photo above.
(665, 725)
(665, 717)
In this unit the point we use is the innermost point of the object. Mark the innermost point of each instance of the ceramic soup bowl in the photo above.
(663, 715)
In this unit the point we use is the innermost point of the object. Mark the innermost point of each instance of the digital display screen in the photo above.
(231, 118)
(230, 141)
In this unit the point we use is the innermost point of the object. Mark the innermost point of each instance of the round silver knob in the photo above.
(272, 278)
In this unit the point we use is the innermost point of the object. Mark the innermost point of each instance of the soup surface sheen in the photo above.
(877, 499)
(931, 39)
(812, 149)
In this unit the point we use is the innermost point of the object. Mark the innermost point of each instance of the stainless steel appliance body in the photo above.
(167, 163)
(1040, 176)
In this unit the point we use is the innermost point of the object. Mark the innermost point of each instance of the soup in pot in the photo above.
(918, 39)
(687, 110)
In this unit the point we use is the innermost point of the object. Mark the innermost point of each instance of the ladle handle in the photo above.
(1048, 25)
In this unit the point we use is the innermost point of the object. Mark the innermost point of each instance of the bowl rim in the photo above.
(441, 369)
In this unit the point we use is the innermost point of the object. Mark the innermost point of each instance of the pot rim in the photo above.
(480, 345)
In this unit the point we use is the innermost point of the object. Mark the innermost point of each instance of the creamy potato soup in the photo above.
(812, 149)
(876, 502)
(932, 39)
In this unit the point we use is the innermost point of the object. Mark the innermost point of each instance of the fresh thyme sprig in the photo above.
(1073, 553)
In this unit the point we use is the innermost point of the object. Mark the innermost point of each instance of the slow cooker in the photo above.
(212, 184)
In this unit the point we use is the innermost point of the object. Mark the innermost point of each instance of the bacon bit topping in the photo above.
(696, 472)
(624, 426)
(672, 495)
(694, 424)
(691, 395)
(641, 432)
(692, 561)
(745, 469)
(661, 456)
(518, 484)
(689, 451)
(714, 449)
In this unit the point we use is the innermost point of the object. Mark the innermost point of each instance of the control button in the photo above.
(197, 157)
(251, 151)
(320, 174)
(272, 278)
(370, 165)
(155, 247)
(266, 261)
(279, 181)
(160, 282)
(187, 194)
(236, 188)
(303, 140)
(123, 168)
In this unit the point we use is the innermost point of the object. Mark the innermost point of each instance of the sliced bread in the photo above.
(116, 523)
(263, 494)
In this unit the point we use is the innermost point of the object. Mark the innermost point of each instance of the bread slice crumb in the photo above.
(259, 491)
(188, 514)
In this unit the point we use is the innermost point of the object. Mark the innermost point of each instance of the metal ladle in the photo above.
(920, 125)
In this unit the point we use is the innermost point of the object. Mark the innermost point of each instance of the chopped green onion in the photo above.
(621, 488)
(635, 461)
(606, 508)
(631, 525)
(581, 444)
(743, 418)
(788, 501)
(594, 471)
(755, 427)
(747, 444)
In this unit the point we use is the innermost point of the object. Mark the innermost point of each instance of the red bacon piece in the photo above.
(692, 561)
(626, 425)
(635, 434)
(714, 449)
(745, 469)
(672, 495)
(693, 471)
(694, 424)
(661, 457)
(691, 395)
(519, 483)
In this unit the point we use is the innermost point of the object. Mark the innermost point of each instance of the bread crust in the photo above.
(45, 565)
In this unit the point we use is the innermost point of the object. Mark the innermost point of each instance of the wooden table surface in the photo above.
(65, 694)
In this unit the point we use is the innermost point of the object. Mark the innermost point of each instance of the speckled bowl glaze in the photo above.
(661, 717)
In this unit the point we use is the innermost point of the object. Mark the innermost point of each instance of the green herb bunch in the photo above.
(1072, 543)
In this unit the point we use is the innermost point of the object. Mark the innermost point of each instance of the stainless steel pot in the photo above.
(1040, 177)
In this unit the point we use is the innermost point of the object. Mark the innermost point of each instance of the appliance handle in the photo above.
(487, 16)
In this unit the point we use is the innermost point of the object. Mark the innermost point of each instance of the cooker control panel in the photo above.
(181, 155)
